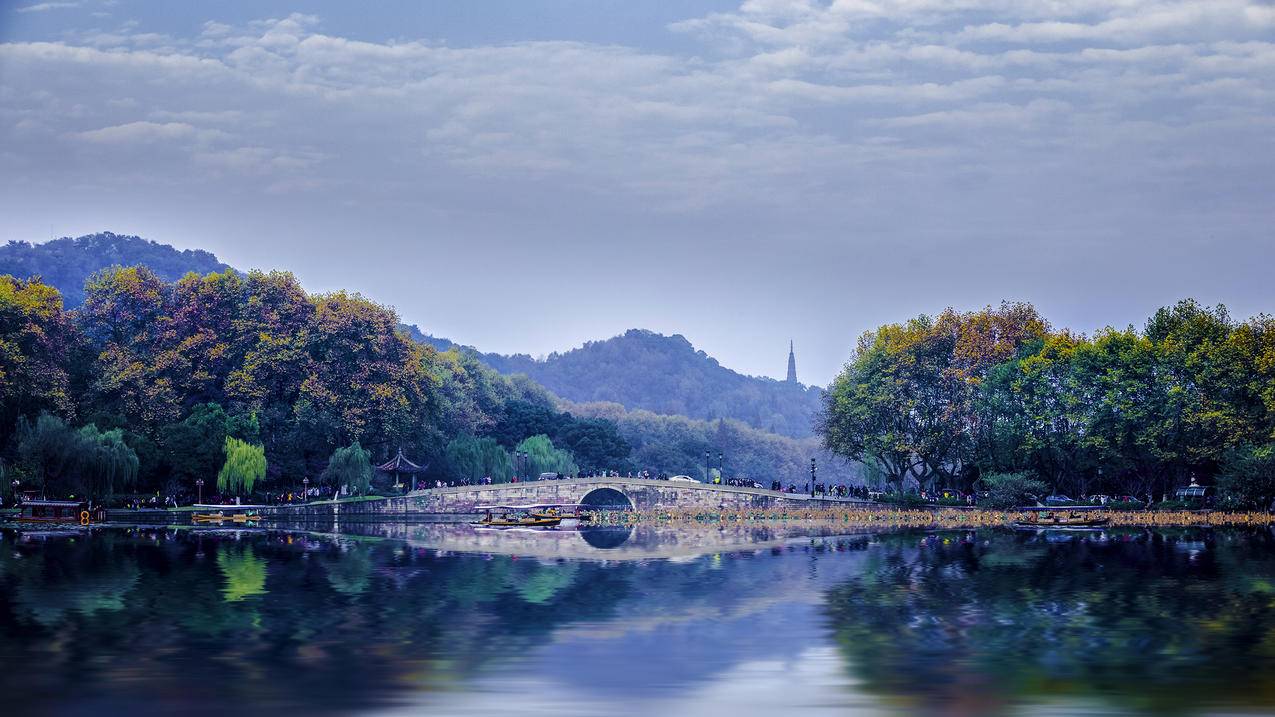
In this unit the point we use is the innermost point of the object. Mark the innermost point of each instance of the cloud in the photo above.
(148, 132)
(786, 96)
(46, 6)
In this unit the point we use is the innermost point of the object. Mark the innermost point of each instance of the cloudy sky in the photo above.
(526, 175)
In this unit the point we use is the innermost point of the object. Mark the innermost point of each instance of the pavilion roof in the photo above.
(400, 464)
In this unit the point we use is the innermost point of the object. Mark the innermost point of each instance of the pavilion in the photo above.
(399, 465)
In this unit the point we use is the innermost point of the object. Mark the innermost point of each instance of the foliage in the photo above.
(542, 457)
(350, 466)
(943, 401)
(105, 462)
(64, 461)
(195, 447)
(66, 263)
(39, 346)
(473, 459)
(1010, 490)
(1248, 476)
(676, 445)
(595, 443)
(245, 465)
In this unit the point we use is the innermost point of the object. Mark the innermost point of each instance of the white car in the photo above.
(683, 479)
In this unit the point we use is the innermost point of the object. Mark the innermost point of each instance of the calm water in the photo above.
(156, 621)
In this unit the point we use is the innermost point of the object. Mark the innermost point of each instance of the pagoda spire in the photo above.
(792, 364)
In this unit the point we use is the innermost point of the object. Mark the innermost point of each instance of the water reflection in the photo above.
(154, 621)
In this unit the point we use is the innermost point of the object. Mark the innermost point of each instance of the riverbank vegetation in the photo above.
(944, 402)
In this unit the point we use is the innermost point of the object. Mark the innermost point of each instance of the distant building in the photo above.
(792, 364)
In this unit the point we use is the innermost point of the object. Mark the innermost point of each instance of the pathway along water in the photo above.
(151, 621)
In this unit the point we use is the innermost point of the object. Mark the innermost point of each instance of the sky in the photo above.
(527, 175)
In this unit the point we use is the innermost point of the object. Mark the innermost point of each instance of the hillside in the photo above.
(65, 263)
(643, 370)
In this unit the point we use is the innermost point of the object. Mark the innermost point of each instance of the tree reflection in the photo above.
(973, 624)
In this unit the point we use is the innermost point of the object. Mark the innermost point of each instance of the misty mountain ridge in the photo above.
(639, 369)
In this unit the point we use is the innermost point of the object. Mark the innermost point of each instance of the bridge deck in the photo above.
(633, 483)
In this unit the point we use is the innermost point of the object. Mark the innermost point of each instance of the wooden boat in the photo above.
(509, 516)
(1061, 517)
(54, 511)
(222, 517)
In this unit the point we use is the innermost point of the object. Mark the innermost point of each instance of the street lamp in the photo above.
(721, 466)
(199, 485)
(305, 489)
(812, 477)
(708, 473)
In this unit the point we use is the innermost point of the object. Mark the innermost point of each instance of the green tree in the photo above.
(245, 465)
(350, 466)
(38, 345)
(47, 452)
(1248, 476)
(472, 459)
(105, 462)
(542, 457)
(195, 447)
(1010, 490)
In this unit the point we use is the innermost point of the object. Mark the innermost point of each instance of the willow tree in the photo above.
(542, 457)
(245, 465)
(105, 462)
(349, 466)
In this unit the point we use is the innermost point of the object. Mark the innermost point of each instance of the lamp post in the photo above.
(305, 489)
(199, 486)
(812, 477)
(721, 466)
(708, 472)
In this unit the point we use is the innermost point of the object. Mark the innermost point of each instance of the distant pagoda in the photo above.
(792, 364)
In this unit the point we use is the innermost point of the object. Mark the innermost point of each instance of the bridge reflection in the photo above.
(619, 542)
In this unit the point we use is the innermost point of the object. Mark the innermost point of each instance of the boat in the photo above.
(522, 516)
(35, 510)
(1061, 518)
(221, 517)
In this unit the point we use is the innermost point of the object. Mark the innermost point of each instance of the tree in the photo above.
(105, 462)
(65, 461)
(38, 347)
(47, 452)
(472, 459)
(350, 466)
(542, 457)
(194, 448)
(245, 465)
(1010, 490)
(1248, 476)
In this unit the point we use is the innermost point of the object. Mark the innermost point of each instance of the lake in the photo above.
(685, 621)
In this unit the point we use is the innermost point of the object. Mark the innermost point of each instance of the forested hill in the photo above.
(65, 263)
(639, 370)
(664, 374)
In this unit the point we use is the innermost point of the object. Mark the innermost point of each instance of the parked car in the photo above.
(682, 479)
(1058, 500)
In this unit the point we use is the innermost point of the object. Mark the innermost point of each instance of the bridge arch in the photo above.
(607, 498)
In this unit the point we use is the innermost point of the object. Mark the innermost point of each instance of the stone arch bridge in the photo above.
(638, 493)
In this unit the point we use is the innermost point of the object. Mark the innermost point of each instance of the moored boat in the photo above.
(1061, 517)
(508, 516)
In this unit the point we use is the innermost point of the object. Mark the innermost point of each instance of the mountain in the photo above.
(66, 263)
(643, 370)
